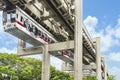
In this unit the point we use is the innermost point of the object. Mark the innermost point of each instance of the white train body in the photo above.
(19, 24)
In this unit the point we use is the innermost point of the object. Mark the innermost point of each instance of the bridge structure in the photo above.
(63, 35)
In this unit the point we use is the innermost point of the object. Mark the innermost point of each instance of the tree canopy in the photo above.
(13, 67)
(110, 77)
(19, 68)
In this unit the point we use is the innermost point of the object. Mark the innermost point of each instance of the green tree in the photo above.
(27, 69)
(89, 77)
(110, 77)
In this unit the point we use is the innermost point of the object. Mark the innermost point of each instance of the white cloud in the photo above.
(115, 71)
(117, 32)
(114, 57)
(107, 34)
(107, 41)
(1, 29)
(91, 22)
(5, 50)
(110, 37)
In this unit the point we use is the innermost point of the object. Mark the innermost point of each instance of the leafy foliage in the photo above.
(26, 69)
(90, 77)
(110, 77)
(30, 69)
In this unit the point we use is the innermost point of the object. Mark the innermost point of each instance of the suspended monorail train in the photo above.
(21, 25)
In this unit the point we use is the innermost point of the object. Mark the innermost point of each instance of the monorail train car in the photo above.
(21, 25)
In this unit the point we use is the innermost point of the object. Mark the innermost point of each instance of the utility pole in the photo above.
(78, 41)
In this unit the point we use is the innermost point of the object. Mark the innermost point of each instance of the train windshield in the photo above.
(9, 16)
(13, 16)
(4, 17)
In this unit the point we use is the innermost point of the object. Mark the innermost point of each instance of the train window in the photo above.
(42, 35)
(27, 23)
(4, 17)
(45, 36)
(49, 40)
(17, 15)
(36, 31)
(13, 16)
(8, 17)
(31, 28)
(21, 19)
(39, 33)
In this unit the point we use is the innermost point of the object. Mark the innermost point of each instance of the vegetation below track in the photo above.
(18, 68)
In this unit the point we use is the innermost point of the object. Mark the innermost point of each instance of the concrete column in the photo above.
(21, 45)
(45, 64)
(98, 59)
(105, 68)
(63, 65)
(78, 41)
(67, 67)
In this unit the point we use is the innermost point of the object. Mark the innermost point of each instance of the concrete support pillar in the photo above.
(78, 41)
(67, 67)
(64, 64)
(105, 69)
(45, 64)
(21, 45)
(98, 59)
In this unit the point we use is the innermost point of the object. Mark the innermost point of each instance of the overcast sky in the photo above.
(102, 19)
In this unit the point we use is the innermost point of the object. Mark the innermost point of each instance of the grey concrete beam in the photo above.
(51, 47)
(61, 46)
(89, 74)
(66, 67)
(88, 67)
(31, 51)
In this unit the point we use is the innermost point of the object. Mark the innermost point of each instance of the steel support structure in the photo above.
(98, 59)
(78, 41)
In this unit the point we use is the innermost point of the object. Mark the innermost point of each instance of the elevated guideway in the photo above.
(55, 23)
(60, 12)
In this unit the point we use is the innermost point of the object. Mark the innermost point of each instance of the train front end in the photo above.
(9, 19)
(15, 27)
